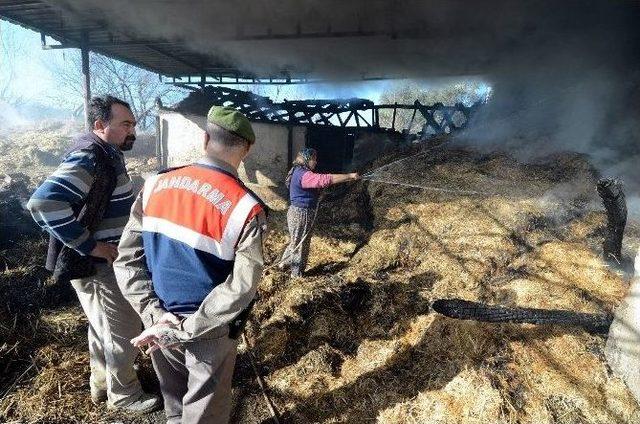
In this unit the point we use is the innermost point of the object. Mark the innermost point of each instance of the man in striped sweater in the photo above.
(55, 206)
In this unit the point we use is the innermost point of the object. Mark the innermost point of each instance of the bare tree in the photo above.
(136, 86)
(11, 48)
(466, 92)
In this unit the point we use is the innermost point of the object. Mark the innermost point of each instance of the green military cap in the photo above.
(233, 121)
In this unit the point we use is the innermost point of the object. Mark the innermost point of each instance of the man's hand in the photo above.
(354, 176)
(159, 335)
(106, 251)
(169, 319)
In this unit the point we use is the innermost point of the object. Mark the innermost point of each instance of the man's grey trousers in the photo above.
(112, 324)
(195, 379)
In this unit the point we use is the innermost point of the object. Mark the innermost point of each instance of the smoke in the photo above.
(408, 38)
(9, 116)
(564, 74)
(27, 115)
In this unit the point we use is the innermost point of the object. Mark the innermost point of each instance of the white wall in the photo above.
(623, 343)
(299, 141)
(181, 136)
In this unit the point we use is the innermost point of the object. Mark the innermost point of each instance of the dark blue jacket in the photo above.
(302, 197)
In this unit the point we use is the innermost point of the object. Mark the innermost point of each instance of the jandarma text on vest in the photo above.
(213, 195)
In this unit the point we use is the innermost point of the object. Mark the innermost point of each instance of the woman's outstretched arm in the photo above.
(311, 179)
(341, 178)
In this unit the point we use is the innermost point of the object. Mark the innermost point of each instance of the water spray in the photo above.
(373, 177)
(427, 188)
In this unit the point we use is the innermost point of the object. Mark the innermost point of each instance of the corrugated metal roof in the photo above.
(68, 21)
(168, 58)
(335, 39)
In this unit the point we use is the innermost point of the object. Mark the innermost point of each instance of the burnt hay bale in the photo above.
(466, 310)
(613, 199)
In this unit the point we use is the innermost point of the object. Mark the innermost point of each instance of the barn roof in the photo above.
(301, 40)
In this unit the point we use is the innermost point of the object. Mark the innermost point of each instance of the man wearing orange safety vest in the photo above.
(189, 262)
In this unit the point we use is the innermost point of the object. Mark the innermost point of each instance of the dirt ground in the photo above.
(355, 340)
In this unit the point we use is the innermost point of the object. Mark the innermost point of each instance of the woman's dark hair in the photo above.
(100, 107)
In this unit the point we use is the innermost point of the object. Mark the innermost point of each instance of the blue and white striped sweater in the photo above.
(54, 202)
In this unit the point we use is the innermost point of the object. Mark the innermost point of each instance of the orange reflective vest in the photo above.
(192, 220)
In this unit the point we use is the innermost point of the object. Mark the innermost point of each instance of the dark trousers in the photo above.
(195, 380)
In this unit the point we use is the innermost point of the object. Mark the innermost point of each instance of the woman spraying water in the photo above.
(304, 191)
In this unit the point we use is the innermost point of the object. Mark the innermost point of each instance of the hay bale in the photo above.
(355, 341)
(533, 243)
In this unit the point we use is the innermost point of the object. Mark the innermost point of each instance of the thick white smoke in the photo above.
(565, 74)
(410, 38)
